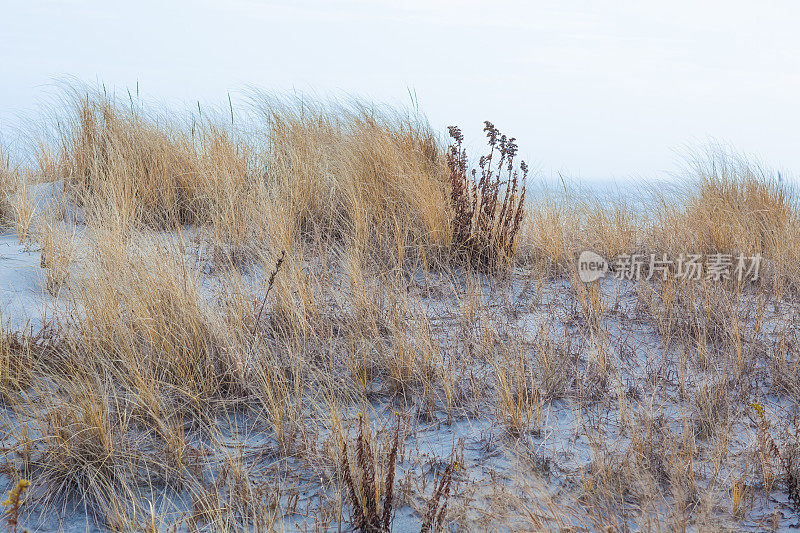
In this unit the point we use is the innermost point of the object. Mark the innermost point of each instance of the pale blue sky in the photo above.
(597, 90)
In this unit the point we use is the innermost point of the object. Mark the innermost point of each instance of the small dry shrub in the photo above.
(487, 210)
(711, 405)
(14, 503)
(363, 483)
(782, 364)
(435, 517)
(785, 452)
(654, 470)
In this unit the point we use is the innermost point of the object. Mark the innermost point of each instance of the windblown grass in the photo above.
(736, 206)
(725, 205)
(356, 172)
(8, 185)
(246, 282)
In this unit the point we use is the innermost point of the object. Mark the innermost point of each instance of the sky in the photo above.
(613, 90)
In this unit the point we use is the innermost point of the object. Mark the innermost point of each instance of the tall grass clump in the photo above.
(725, 204)
(142, 320)
(731, 205)
(354, 172)
(357, 171)
(489, 208)
(8, 184)
(154, 168)
(738, 205)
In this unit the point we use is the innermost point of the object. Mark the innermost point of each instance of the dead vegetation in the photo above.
(8, 184)
(246, 285)
(487, 209)
(364, 489)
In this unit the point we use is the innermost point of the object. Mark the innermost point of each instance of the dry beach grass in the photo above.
(283, 317)
(7, 184)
